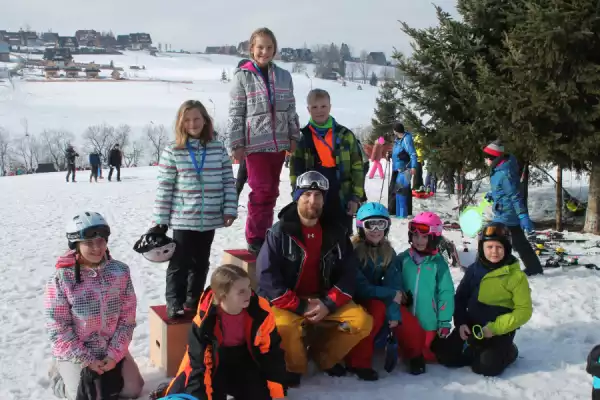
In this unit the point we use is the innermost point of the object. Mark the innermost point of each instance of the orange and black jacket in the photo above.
(197, 369)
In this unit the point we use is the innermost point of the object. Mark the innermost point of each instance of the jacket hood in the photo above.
(67, 260)
(507, 162)
(246, 64)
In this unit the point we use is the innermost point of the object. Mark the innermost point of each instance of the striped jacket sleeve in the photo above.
(230, 204)
(237, 113)
(167, 174)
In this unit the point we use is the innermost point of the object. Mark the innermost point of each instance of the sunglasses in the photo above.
(423, 229)
(374, 224)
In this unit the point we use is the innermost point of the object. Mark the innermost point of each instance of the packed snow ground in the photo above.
(553, 345)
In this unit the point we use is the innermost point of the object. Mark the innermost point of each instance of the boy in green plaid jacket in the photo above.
(333, 150)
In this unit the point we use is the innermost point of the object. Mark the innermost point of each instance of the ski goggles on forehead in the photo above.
(374, 224)
(423, 229)
(312, 180)
(495, 231)
(89, 234)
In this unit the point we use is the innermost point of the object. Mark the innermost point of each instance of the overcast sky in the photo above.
(194, 24)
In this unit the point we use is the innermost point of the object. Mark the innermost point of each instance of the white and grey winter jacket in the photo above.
(186, 202)
(262, 119)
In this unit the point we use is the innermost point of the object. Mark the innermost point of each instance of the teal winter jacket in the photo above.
(381, 283)
(432, 289)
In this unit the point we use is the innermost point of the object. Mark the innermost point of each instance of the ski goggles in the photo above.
(423, 229)
(89, 234)
(312, 180)
(374, 224)
(495, 231)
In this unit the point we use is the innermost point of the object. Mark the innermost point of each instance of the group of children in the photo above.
(234, 347)
(91, 306)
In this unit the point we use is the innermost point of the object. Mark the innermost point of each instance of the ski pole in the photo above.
(387, 165)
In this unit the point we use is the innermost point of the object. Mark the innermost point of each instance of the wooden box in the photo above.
(168, 338)
(244, 259)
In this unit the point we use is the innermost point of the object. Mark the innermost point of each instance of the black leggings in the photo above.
(238, 375)
(187, 271)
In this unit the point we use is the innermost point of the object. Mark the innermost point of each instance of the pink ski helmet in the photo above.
(381, 140)
(427, 223)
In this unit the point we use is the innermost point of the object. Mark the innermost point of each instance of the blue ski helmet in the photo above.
(180, 396)
(372, 210)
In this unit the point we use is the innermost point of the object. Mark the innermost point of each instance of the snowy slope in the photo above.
(154, 94)
(553, 345)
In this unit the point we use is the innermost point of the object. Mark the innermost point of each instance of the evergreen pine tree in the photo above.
(373, 80)
(386, 113)
(224, 76)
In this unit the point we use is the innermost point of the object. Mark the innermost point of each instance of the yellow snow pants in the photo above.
(338, 333)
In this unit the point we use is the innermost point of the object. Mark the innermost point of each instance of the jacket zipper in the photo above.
(248, 134)
(272, 108)
(416, 290)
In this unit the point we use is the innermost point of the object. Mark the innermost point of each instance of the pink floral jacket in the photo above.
(93, 319)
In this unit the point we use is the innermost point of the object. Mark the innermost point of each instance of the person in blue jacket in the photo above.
(593, 368)
(404, 163)
(508, 205)
(94, 165)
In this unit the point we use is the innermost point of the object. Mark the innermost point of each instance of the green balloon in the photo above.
(471, 221)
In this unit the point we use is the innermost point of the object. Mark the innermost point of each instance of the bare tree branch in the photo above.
(27, 151)
(4, 150)
(134, 153)
(55, 142)
(157, 135)
(100, 139)
(364, 68)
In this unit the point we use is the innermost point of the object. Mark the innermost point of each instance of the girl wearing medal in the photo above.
(196, 194)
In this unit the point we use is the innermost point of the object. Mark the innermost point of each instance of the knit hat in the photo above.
(494, 149)
(310, 180)
(398, 127)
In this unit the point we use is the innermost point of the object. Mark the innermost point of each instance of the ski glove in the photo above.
(593, 364)
(526, 223)
(160, 229)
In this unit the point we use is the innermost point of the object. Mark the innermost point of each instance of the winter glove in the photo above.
(159, 229)
(526, 223)
(408, 299)
(593, 364)
(488, 197)
(443, 332)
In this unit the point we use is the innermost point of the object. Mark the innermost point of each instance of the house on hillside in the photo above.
(123, 42)
(108, 41)
(30, 39)
(72, 71)
(89, 38)
(4, 52)
(69, 42)
(92, 71)
(13, 39)
(50, 38)
(58, 56)
(377, 58)
(140, 41)
(51, 70)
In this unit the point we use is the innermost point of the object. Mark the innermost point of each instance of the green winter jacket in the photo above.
(432, 289)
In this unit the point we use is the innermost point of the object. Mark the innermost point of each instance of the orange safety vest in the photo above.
(324, 147)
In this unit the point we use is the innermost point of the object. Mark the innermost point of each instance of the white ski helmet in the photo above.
(86, 226)
(155, 247)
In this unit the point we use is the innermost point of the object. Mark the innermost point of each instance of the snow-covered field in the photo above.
(147, 97)
(553, 345)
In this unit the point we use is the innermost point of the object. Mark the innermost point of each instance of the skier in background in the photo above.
(94, 165)
(114, 161)
(70, 155)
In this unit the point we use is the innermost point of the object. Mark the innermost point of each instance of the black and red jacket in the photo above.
(201, 360)
(281, 260)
